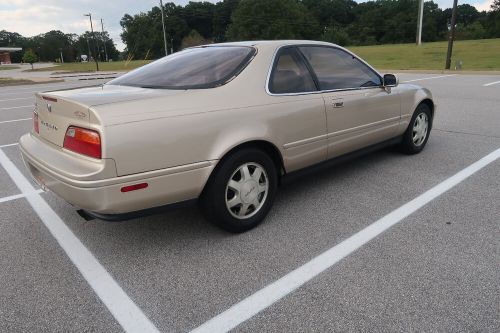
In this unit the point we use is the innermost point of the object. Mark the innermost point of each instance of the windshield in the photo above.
(195, 68)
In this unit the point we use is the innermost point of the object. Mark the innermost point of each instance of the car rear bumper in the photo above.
(104, 196)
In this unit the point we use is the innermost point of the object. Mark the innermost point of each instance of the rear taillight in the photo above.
(36, 127)
(83, 141)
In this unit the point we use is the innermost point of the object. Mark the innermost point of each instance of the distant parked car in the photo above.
(221, 124)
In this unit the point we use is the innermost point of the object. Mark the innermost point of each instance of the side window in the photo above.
(290, 74)
(337, 69)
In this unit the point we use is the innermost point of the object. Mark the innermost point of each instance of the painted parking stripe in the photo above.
(15, 99)
(125, 311)
(430, 78)
(275, 291)
(15, 120)
(19, 196)
(9, 145)
(490, 84)
(18, 107)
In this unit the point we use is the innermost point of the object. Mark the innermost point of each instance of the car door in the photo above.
(299, 108)
(360, 111)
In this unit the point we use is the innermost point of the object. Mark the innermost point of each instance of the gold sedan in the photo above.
(219, 124)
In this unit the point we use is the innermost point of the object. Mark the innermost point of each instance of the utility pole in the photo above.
(88, 46)
(419, 21)
(104, 41)
(163, 24)
(95, 43)
(451, 35)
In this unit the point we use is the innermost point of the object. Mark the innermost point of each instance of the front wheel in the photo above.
(417, 133)
(241, 191)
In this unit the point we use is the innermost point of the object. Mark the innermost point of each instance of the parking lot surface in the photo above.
(434, 269)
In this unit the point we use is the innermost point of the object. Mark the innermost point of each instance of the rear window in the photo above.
(196, 68)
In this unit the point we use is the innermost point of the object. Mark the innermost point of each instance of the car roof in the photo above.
(272, 43)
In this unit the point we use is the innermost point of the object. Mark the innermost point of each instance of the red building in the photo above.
(5, 54)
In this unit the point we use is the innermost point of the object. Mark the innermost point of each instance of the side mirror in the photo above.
(390, 80)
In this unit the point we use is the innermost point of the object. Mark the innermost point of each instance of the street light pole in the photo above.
(104, 41)
(88, 46)
(163, 24)
(95, 43)
(419, 21)
(451, 35)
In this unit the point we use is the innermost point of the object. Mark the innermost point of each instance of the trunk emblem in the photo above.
(49, 126)
(79, 114)
(49, 107)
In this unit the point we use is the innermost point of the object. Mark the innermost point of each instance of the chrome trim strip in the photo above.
(362, 127)
(317, 91)
(304, 141)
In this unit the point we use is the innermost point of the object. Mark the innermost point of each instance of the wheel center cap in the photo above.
(249, 191)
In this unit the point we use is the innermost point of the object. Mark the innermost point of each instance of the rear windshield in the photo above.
(195, 68)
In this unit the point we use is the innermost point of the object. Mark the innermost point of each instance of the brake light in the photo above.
(51, 99)
(36, 126)
(83, 141)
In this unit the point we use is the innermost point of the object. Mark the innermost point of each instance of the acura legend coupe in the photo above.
(219, 124)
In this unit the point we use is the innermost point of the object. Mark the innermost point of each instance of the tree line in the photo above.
(343, 22)
(49, 46)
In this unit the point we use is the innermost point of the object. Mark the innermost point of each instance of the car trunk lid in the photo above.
(57, 110)
(55, 115)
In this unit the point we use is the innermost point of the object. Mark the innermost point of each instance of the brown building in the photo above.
(5, 54)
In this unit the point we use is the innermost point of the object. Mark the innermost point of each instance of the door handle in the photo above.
(338, 103)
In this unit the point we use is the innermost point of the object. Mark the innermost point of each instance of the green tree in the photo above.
(84, 43)
(143, 35)
(336, 35)
(193, 39)
(199, 16)
(471, 31)
(331, 12)
(495, 6)
(222, 18)
(492, 21)
(272, 19)
(30, 57)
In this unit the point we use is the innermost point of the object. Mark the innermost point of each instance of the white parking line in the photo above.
(14, 99)
(18, 107)
(125, 311)
(275, 291)
(9, 145)
(430, 78)
(18, 196)
(14, 120)
(490, 84)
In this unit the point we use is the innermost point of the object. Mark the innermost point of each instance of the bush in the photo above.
(336, 35)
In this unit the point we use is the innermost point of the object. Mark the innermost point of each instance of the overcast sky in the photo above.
(32, 17)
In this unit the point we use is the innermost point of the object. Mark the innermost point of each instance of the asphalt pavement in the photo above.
(433, 269)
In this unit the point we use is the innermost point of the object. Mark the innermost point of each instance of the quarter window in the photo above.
(290, 74)
(337, 69)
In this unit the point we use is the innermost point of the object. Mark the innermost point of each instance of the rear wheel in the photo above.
(417, 133)
(241, 191)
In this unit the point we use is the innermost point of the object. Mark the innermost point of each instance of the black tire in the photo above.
(408, 146)
(214, 196)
